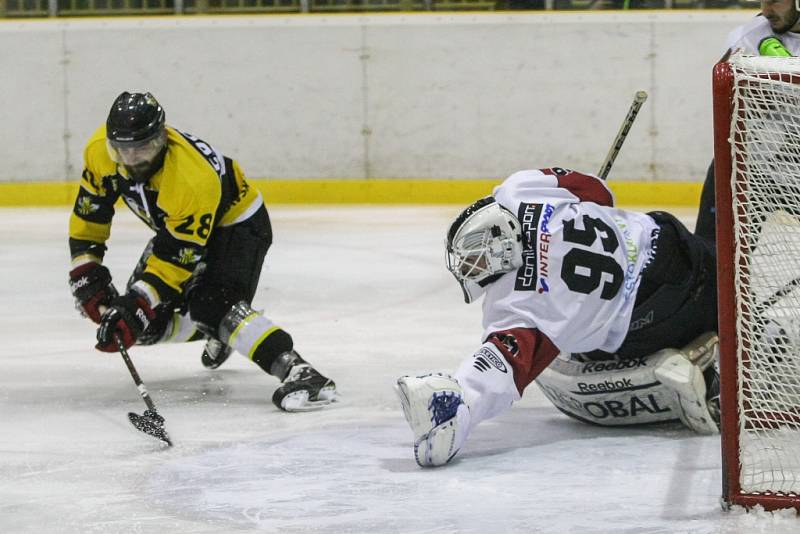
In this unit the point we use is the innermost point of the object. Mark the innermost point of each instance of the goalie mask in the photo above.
(483, 243)
(136, 137)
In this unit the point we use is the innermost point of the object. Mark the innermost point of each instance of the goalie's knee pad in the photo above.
(435, 410)
(662, 386)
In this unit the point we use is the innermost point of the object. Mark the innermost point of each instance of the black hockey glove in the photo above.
(126, 319)
(91, 287)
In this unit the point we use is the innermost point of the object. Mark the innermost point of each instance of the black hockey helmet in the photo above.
(136, 134)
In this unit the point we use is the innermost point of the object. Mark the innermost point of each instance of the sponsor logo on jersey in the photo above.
(528, 215)
(615, 365)
(187, 256)
(544, 248)
(631, 256)
(86, 206)
(485, 358)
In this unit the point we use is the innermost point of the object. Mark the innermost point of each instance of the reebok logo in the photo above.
(77, 284)
(143, 318)
(596, 367)
(607, 385)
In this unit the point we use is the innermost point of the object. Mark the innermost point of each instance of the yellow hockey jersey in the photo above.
(196, 190)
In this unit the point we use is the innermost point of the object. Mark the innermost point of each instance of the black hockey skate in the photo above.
(303, 387)
(215, 353)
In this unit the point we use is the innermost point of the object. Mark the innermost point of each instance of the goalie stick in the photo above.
(150, 422)
(638, 99)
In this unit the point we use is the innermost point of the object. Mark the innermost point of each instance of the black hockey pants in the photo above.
(677, 296)
(228, 274)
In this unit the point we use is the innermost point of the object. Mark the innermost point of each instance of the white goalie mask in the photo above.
(483, 243)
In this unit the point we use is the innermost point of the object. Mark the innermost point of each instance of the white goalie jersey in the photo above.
(582, 261)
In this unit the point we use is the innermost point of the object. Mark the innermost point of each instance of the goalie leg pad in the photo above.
(434, 408)
(663, 386)
(682, 373)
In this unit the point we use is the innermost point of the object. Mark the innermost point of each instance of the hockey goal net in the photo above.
(757, 166)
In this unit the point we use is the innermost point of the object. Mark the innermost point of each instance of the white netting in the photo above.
(765, 135)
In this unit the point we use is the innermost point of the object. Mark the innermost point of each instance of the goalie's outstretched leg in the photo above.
(664, 386)
(691, 375)
(434, 407)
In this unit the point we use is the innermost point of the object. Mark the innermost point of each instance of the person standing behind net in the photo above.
(198, 275)
(773, 32)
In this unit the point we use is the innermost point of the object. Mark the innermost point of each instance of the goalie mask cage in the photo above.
(757, 167)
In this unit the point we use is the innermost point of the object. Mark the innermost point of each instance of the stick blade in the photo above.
(152, 424)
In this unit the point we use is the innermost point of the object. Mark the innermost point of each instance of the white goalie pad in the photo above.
(659, 387)
(434, 407)
(682, 373)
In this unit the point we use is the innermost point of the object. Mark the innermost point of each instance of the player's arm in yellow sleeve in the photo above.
(90, 221)
(89, 228)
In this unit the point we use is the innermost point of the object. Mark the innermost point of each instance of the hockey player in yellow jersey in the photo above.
(198, 275)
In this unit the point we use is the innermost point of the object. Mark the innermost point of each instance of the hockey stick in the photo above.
(636, 105)
(150, 422)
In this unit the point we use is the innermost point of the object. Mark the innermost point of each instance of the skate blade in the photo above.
(298, 401)
(150, 426)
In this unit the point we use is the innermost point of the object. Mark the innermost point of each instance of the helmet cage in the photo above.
(486, 244)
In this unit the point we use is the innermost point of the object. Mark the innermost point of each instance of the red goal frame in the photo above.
(730, 342)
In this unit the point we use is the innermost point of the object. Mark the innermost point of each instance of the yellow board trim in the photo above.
(38, 193)
(371, 191)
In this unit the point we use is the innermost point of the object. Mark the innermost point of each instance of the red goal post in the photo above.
(757, 172)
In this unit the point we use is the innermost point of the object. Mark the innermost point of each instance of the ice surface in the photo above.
(366, 296)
